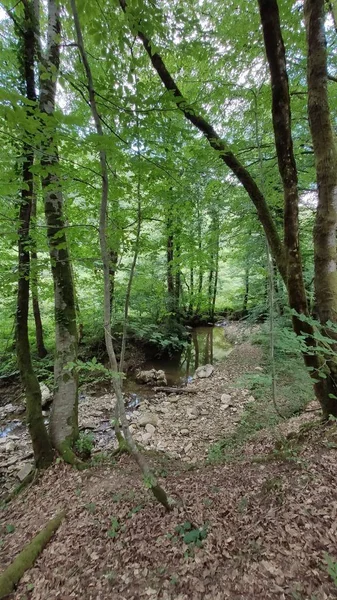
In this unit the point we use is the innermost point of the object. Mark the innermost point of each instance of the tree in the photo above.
(43, 453)
(323, 137)
(287, 256)
(64, 418)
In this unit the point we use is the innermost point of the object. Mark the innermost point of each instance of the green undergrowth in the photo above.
(293, 392)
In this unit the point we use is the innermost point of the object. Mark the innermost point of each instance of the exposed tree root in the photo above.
(25, 560)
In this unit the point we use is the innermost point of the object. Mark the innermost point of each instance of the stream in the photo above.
(208, 345)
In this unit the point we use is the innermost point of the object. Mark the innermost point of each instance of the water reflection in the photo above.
(208, 346)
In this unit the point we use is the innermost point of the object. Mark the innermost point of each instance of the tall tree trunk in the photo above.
(64, 415)
(41, 349)
(43, 453)
(246, 294)
(158, 492)
(323, 137)
(191, 292)
(112, 275)
(281, 114)
(282, 253)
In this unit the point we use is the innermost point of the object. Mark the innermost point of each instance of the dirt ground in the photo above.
(257, 528)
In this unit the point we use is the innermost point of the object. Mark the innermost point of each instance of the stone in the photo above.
(194, 411)
(148, 418)
(150, 428)
(191, 416)
(88, 424)
(258, 369)
(226, 399)
(173, 399)
(251, 399)
(152, 377)
(188, 447)
(204, 372)
(146, 437)
(184, 432)
(46, 395)
(10, 446)
(25, 471)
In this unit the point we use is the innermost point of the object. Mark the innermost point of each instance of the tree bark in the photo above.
(323, 138)
(27, 557)
(149, 478)
(42, 449)
(41, 349)
(281, 114)
(64, 414)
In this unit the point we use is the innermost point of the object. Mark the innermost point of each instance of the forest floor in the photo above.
(259, 523)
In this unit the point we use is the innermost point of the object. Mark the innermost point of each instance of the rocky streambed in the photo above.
(182, 425)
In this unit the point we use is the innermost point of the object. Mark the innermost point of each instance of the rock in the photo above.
(10, 446)
(150, 428)
(173, 399)
(188, 447)
(10, 462)
(46, 395)
(191, 416)
(152, 377)
(146, 437)
(24, 472)
(203, 372)
(251, 399)
(194, 411)
(258, 369)
(184, 432)
(226, 399)
(148, 418)
(88, 424)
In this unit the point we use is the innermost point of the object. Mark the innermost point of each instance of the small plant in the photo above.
(191, 535)
(115, 528)
(84, 445)
(91, 507)
(331, 567)
(9, 528)
(215, 453)
(135, 510)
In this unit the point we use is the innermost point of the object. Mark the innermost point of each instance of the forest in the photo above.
(168, 294)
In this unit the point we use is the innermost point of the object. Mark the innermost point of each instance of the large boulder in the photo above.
(152, 377)
(203, 372)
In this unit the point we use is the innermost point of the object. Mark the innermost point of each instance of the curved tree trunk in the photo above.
(43, 453)
(150, 480)
(323, 138)
(64, 418)
(218, 144)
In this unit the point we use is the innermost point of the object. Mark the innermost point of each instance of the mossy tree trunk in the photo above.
(281, 113)
(41, 349)
(43, 453)
(126, 442)
(64, 417)
(323, 137)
